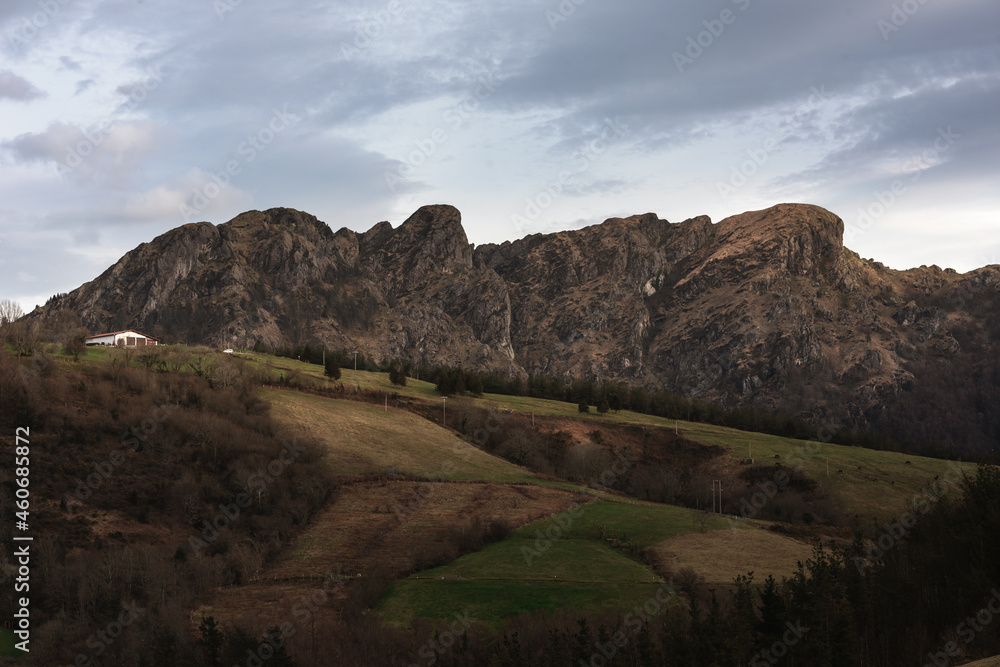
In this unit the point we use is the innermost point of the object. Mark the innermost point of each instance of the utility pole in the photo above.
(717, 484)
(444, 411)
(355, 368)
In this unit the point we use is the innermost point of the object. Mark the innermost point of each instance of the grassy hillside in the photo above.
(863, 481)
(866, 484)
(586, 559)
(364, 438)
(387, 528)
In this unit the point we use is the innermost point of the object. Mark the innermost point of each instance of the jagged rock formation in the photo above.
(765, 308)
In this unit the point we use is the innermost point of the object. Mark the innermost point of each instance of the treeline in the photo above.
(622, 396)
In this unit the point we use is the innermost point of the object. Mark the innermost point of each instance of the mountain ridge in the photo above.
(764, 308)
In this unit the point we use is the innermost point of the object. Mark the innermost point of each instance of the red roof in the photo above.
(115, 333)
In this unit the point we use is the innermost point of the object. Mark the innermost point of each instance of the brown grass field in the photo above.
(364, 438)
(986, 662)
(721, 555)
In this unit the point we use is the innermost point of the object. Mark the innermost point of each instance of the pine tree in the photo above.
(211, 640)
(332, 369)
(397, 375)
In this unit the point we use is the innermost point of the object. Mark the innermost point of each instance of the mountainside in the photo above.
(766, 308)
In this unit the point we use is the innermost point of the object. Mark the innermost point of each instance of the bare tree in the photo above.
(16, 330)
(9, 312)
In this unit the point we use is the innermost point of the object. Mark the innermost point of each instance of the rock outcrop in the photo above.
(765, 308)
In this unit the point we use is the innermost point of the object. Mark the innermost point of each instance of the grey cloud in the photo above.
(70, 64)
(52, 145)
(14, 87)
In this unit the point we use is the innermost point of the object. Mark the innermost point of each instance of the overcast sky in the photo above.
(121, 119)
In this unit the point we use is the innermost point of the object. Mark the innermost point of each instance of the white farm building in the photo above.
(127, 338)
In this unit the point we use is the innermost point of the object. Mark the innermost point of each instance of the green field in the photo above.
(873, 483)
(561, 561)
(493, 602)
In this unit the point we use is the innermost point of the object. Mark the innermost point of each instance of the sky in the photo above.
(122, 119)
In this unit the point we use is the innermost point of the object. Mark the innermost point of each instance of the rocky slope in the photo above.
(765, 308)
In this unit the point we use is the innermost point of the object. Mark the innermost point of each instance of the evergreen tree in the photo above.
(332, 369)
(211, 640)
(397, 374)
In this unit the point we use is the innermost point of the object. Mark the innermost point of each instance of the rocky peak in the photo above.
(765, 308)
(435, 232)
(430, 242)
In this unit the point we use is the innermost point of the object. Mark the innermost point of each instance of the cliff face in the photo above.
(765, 308)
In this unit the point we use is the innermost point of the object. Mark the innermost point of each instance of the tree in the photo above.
(16, 330)
(446, 382)
(584, 407)
(211, 641)
(10, 312)
(332, 367)
(603, 406)
(397, 374)
(76, 344)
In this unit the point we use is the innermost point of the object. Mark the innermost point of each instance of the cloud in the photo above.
(84, 86)
(14, 87)
(370, 82)
(109, 151)
(70, 63)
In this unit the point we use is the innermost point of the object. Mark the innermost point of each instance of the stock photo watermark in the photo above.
(99, 642)
(247, 151)
(133, 440)
(562, 12)
(257, 483)
(591, 151)
(370, 30)
(455, 117)
(701, 42)
(883, 200)
(632, 624)
(967, 631)
(434, 648)
(922, 503)
(561, 524)
(96, 135)
(779, 649)
(31, 26)
(741, 173)
(899, 17)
